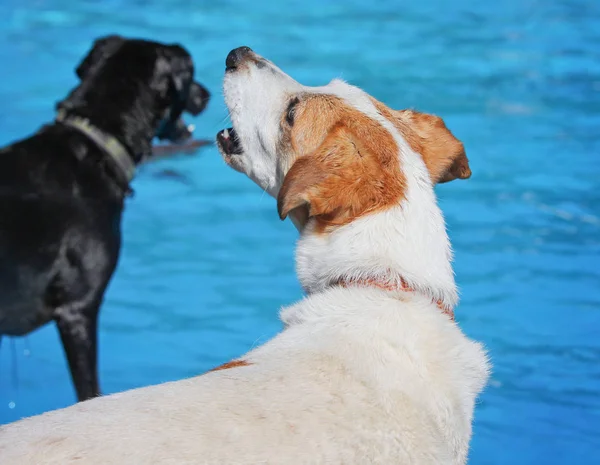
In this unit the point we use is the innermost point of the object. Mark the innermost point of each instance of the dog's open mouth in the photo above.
(229, 142)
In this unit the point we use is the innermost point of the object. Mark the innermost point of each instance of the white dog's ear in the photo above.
(353, 172)
(443, 154)
(300, 189)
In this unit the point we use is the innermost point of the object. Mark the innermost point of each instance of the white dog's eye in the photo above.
(290, 112)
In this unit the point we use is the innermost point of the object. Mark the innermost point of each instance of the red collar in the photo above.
(387, 286)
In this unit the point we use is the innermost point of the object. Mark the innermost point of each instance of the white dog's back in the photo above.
(346, 382)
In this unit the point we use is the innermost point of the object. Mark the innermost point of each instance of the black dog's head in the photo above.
(143, 83)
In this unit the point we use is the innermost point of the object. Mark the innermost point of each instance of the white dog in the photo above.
(371, 368)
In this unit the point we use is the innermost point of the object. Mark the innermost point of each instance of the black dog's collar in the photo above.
(110, 145)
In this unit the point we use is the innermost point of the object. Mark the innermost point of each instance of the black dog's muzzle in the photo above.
(173, 128)
(197, 100)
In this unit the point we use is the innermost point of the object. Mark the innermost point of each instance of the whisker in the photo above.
(262, 195)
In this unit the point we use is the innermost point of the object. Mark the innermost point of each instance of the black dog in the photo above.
(62, 190)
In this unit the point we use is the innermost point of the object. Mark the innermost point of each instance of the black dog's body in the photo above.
(61, 198)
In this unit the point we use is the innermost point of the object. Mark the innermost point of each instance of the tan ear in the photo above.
(443, 154)
(298, 188)
(353, 172)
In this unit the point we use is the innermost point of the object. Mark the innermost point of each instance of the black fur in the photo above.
(61, 202)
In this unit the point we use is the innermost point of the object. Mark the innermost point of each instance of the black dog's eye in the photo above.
(290, 112)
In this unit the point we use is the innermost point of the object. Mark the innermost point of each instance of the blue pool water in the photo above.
(206, 263)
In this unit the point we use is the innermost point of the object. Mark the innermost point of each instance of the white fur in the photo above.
(407, 242)
(358, 376)
(255, 106)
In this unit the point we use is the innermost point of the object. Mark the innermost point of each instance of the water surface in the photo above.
(206, 264)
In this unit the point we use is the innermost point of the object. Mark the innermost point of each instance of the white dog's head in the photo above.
(331, 153)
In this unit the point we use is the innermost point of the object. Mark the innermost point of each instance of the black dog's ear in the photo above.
(102, 48)
(182, 69)
(192, 95)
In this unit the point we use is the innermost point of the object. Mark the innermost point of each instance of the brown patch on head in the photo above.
(443, 154)
(346, 164)
(305, 124)
(315, 115)
(232, 364)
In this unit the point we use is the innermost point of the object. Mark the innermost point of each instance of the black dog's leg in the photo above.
(77, 325)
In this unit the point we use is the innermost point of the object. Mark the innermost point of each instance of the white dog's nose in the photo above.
(236, 57)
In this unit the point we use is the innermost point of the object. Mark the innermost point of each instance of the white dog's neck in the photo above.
(405, 244)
